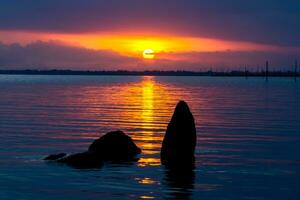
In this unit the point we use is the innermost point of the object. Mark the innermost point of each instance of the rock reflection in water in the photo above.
(180, 182)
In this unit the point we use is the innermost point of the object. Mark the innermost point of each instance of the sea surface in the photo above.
(248, 131)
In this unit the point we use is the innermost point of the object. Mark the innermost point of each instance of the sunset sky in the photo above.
(152, 35)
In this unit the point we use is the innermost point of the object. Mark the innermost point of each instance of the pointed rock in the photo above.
(179, 143)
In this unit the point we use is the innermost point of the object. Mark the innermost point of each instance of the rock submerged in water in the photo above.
(55, 156)
(114, 146)
(179, 143)
(83, 160)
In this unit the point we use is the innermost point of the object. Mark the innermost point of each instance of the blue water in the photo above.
(248, 136)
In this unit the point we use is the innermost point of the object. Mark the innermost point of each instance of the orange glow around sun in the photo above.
(135, 45)
(139, 45)
(130, 45)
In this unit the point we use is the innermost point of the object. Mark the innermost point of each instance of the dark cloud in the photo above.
(50, 55)
(229, 60)
(267, 21)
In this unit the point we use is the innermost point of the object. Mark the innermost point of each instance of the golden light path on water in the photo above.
(148, 87)
(148, 139)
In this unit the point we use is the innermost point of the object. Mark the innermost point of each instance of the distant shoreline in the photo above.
(153, 73)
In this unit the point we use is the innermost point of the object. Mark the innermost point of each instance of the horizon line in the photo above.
(244, 73)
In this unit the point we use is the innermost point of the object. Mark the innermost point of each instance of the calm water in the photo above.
(248, 136)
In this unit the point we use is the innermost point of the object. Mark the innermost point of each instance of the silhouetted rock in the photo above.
(179, 143)
(115, 146)
(55, 156)
(82, 160)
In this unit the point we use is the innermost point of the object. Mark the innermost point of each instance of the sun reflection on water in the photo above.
(147, 143)
(147, 100)
(146, 181)
(143, 162)
(146, 197)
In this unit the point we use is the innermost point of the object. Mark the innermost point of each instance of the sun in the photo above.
(148, 54)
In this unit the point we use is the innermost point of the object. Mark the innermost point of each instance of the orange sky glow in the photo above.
(134, 44)
(128, 50)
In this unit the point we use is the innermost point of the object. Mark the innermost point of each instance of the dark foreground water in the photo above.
(248, 136)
